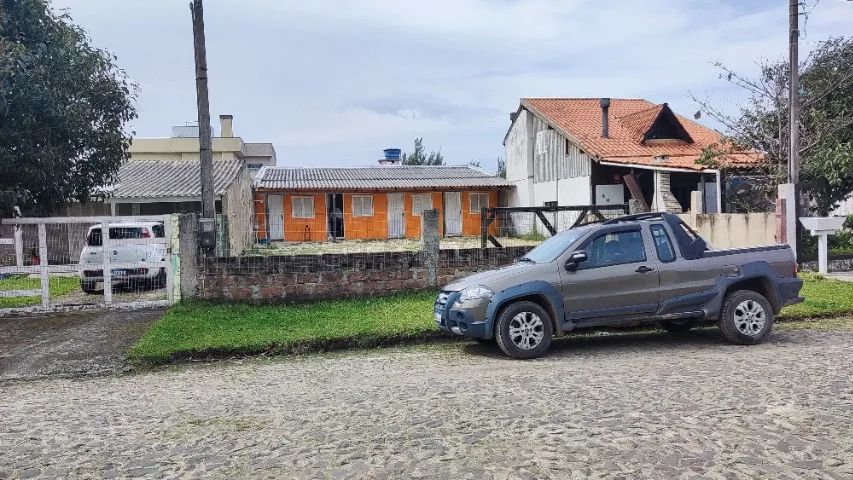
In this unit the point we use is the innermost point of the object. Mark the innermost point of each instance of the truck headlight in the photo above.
(473, 293)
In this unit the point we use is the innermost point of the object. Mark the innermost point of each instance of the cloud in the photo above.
(335, 82)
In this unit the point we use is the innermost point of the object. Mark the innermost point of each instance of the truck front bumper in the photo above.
(468, 321)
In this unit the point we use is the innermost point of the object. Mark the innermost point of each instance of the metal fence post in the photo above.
(43, 269)
(19, 246)
(105, 261)
(169, 267)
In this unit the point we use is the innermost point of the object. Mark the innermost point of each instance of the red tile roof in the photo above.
(579, 119)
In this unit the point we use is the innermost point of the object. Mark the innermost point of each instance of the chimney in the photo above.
(605, 120)
(226, 125)
(392, 156)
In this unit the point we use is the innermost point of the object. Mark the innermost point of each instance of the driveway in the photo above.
(628, 406)
(78, 343)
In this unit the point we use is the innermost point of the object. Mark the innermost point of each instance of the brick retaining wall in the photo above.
(270, 279)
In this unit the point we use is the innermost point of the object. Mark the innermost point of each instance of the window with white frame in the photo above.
(478, 201)
(362, 205)
(303, 207)
(421, 202)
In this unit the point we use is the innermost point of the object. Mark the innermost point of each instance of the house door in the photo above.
(710, 197)
(395, 215)
(452, 214)
(335, 211)
(275, 215)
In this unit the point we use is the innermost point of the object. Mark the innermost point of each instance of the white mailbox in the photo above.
(822, 227)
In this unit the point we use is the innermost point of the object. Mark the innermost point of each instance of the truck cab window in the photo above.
(663, 245)
(615, 248)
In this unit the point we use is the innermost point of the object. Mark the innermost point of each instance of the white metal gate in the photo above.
(395, 215)
(452, 214)
(63, 260)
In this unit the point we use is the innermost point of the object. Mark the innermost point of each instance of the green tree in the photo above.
(501, 167)
(826, 127)
(419, 156)
(64, 107)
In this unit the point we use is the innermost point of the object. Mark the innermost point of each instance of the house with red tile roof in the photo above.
(582, 151)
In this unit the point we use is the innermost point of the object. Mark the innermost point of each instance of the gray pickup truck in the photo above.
(624, 271)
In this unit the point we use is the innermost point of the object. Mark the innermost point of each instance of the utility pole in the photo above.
(208, 204)
(794, 116)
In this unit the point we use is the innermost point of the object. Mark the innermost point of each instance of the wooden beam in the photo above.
(545, 222)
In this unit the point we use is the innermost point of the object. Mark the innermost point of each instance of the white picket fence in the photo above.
(45, 269)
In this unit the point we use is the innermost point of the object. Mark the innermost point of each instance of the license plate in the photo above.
(119, 273)
(438, 317)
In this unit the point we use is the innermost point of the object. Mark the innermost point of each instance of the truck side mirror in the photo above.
(575, 259)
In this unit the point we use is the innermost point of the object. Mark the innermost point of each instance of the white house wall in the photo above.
(519, 160)
(542, 170)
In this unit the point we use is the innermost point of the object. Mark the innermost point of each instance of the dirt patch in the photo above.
(70, 344)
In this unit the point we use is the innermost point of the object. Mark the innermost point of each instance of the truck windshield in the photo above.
(550, 249)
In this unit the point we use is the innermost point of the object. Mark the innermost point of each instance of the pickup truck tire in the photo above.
(746, 318)
(524, 330)
(88, 287)
(678, 326)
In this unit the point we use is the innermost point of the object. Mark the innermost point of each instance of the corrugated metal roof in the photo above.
(378, 178)
(170, 178)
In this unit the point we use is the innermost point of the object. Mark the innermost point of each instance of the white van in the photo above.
(130, 242)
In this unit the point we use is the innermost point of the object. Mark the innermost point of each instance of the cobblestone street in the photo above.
(626, 406)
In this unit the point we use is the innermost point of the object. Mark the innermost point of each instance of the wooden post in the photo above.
(208, 203)
(43, 270)
(484, 228)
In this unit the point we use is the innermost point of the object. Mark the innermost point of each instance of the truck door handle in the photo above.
(643, 269)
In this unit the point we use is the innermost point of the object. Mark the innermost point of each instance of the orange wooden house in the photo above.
(386, 201)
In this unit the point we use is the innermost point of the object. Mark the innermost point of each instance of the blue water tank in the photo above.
(392, 153)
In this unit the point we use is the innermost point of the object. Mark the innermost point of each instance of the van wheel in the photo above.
(159, 281)
(523, 330)
(747, 317)
(88, 287)
(678, 326)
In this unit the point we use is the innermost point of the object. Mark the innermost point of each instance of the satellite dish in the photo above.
(697, 115)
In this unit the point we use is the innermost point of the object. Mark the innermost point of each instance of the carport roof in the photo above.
(398, 177)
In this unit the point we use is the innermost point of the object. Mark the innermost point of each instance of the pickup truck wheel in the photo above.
(678, 326)
(524, 330)
(747, 317)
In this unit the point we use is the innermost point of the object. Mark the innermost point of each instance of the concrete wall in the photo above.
(177, 148)
(237, 208)
(733, 230)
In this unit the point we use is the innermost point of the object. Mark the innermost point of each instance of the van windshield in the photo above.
(550, 249)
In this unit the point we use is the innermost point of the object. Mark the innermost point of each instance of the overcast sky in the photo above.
(334, 82)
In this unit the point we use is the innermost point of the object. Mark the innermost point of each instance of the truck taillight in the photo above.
(146, 233)
(794, 268)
